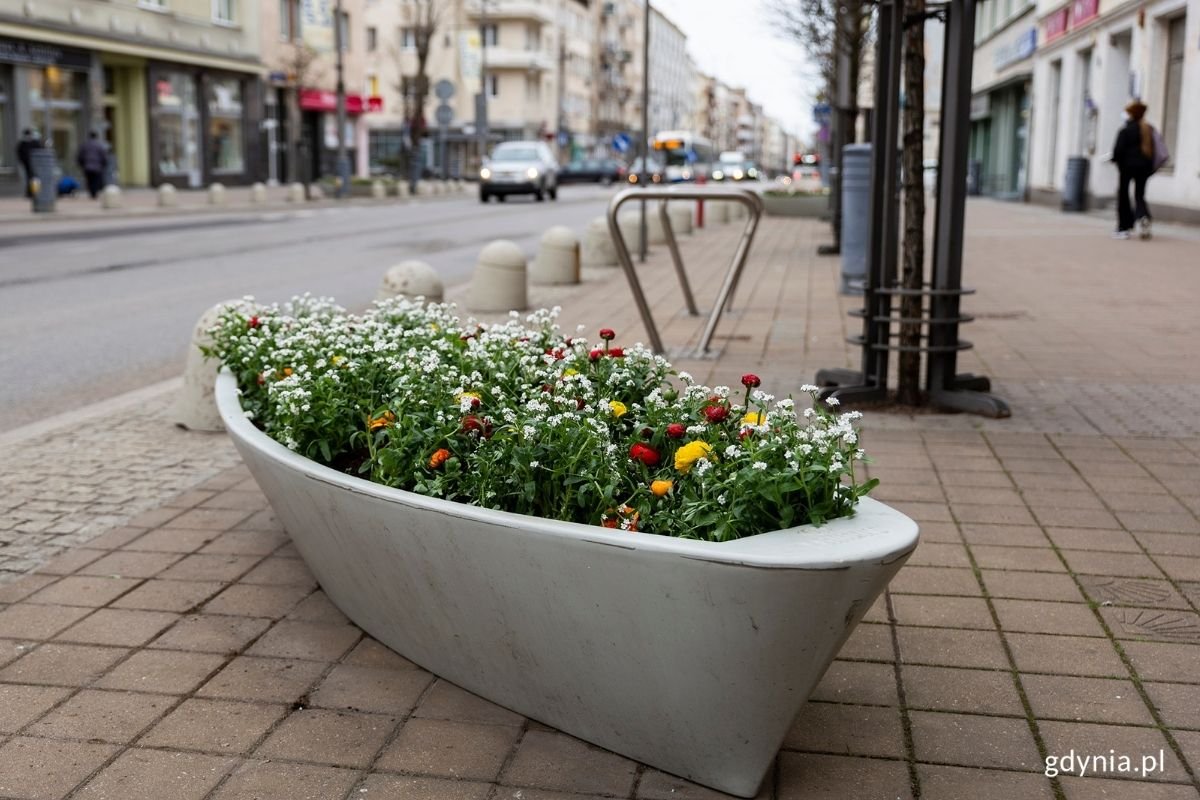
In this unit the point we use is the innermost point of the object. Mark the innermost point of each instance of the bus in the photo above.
(684, 155)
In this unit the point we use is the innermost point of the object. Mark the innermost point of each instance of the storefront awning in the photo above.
(321, 100)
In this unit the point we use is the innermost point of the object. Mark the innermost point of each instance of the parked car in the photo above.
(732, 165)
(519, 168)
(606, 171)
(656, 172)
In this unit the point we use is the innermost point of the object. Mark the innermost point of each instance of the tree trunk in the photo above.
(293, 133)
(913, 254)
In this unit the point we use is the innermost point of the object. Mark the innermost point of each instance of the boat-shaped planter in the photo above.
(692, 657)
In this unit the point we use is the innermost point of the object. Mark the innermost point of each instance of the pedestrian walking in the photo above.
(1136, 160)
(93, 160)
(25, 147)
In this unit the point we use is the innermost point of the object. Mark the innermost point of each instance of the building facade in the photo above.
(672, 76)
(1093, 57)
(173, 87)
(1002, 95)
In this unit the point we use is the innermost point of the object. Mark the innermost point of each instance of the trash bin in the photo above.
(44, 186)
(856, 215)
(1074, 196)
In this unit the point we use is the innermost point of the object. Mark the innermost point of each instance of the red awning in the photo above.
(321, 100)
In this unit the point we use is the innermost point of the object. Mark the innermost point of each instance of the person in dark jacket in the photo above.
(1133, 153)
(93, 160)
(25, 147)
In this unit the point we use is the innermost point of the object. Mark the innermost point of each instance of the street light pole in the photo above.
(343, 161)
(481, 123)
(645, 122)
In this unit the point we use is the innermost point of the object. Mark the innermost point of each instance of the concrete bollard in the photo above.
(402, 189)
(411, 279)
(167, 196)
(631, 229)
(194, 408)
(315, 192)
(654, 226)
(378, 190)
(216, 194)
(557, 259)
(111, 196)
(721, 211)
(295, 193)
(598, 249)
(499, 280)
(258, 193)
(681, 217)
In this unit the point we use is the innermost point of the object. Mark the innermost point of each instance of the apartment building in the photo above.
(172, 86)
(672, 76)
(1092, 58)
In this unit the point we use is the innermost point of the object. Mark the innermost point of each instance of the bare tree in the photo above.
(299, 64)
(912, 273)
(421, 19)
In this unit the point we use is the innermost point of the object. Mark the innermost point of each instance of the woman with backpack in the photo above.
(1136, 158)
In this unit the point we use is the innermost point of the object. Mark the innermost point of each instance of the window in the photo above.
(225, 125)
(289, 20)
(153, 5)
(493, 85)
(408, 39)
(533, 36)
(344, 31)
(223, 11)
(1174, 84)
(491, 36)
(372, 39)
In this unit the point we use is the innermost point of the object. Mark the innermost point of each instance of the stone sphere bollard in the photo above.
(499, 280)
(315, 192)
(258, 193)
(598, 249)
(111, 196)
(378, 190)
(194, 408)
(216, 194)
(411, 279)
(681, 217)
(167, 196)
(557, 260)
(295, 193)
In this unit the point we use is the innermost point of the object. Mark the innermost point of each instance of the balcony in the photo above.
(499, 10)
(499, 58)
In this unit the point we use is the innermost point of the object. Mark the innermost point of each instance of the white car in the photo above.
(519, 168)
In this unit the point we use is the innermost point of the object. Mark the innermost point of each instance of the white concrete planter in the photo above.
(692, 657)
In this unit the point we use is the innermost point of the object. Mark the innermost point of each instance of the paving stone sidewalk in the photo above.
(1051, 607)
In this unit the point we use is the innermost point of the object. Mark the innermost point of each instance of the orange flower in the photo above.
(660, 488)
(625, 518)
(438, 458)
(384, 419)
(287, 372)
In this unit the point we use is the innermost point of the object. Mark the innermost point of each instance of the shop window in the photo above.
(56, 110)
(384, 148)
(225, 125)
(223, 11)
(176, 126)
(1173, 90)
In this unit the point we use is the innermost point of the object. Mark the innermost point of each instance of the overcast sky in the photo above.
(734, 40)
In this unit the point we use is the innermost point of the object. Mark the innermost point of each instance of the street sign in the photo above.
(444, 114)
(621, 142)
(443, 89)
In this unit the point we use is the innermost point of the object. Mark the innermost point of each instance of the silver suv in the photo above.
(519, 168)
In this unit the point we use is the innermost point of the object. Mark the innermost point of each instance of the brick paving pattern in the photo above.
(1053, 604)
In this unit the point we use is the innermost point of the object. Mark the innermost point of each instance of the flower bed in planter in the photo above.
(693, 656)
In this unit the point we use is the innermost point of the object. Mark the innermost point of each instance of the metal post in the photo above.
(645, 122)
(343, 161)
(946, 388)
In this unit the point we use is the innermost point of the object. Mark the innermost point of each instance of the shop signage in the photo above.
(1057, 24)
(1017, 49)
(321, 100)
(40, 54)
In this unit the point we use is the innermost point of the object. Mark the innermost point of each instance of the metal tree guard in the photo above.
(947, 389)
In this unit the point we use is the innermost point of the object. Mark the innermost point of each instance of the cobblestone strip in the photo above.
(65, 483)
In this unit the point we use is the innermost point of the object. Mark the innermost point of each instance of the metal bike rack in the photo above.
(746, 197)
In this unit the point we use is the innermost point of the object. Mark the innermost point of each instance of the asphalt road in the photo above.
(89, 310)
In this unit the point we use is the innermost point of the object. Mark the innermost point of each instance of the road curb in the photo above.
(39, 429)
